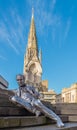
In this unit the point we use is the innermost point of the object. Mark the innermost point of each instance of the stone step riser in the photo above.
(66, 106)
(72, 118)
(13, 122)
(12, 111)
(6, 104)
(67, 112)
(7, 122)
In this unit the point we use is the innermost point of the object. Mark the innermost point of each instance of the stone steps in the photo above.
(68, 106)
(72, 118)
(12, 115)
(7, 111)
(66, 109)
(68, 126)
(64, 118)
(68, 112)
(22, 121)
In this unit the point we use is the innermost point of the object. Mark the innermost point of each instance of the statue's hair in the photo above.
(20, 75)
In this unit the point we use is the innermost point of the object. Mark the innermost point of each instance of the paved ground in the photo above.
(49, 127)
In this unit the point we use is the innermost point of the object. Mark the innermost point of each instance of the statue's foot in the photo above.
(37, 113)
(13, 99)
(60, 124)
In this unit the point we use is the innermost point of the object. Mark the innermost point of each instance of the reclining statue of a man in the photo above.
(28, 97)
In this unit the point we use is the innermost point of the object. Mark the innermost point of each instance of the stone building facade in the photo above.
(69, 95)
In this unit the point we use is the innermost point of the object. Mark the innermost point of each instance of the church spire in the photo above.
(32, 40)
(32, 63)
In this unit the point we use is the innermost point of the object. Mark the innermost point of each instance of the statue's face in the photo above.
(20, 80)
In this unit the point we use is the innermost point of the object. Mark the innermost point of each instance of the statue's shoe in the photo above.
(37, 113)
(60, 124)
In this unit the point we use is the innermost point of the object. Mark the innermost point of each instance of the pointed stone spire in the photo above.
(32, 40)
(32, 62)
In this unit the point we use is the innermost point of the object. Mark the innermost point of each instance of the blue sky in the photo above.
(56, 28)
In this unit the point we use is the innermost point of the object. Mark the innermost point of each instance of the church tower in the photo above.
(32, 65)
(32, 62)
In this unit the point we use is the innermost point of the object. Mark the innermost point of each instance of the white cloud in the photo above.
(45, 20)
(12, 30)
(5, 36)
(13, 27)
(68, 25)
(12, 45)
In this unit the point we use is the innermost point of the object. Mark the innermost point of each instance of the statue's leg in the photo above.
(22, 102)
(49, 113)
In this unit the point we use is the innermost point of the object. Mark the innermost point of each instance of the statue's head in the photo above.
(20, 79)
